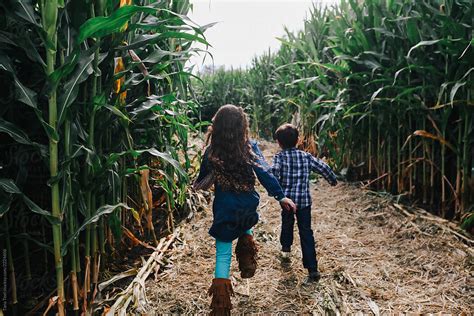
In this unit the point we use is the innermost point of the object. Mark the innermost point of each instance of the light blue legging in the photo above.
(224, 257)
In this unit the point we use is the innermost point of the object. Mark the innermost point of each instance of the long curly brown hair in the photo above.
(229, 149)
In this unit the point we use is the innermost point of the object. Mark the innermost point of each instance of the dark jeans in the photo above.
(303, 218)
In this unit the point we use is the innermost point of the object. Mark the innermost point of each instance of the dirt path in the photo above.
(373, 258)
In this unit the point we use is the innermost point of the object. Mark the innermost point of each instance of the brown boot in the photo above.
(221, 291)
(246, 252)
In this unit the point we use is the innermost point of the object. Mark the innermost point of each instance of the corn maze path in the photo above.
(373, 259)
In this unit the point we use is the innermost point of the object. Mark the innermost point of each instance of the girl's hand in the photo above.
(288, 205)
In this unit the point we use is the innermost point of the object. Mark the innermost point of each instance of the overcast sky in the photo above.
(247, 28)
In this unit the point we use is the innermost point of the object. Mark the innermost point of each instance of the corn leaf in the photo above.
(101, 211)
(102, 26)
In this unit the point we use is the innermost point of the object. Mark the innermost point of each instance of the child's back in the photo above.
(232, 163)
(292, 167)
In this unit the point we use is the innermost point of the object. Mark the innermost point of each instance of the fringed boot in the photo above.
(246, 252)
(221, 291)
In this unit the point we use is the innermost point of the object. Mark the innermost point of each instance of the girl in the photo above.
(232, 163)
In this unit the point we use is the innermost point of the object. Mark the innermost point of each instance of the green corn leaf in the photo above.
(64, 70)
(101, 211)
(467, 73)
(158, 54)
(181, 35)
(117, 112)
(83, 70)
(9, 186)
(5, 63)
(5, 38)
(375, 94)
(113, 181)
(34, 240)
(423, 43)
(412, 31)
(25, 94)
(102, 26)
(454, 90)
(38, 210)
(25, 10)
(81, 204)
(5, 204)
(98, 102)
(148, 39)
(50, 131)
(16, 133)
(406, 92)
(167, 158)
(115, 225)
(20, 136)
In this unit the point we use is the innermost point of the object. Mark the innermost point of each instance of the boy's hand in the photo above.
(288, 205)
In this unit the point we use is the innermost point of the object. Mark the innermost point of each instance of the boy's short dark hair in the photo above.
(287, 135)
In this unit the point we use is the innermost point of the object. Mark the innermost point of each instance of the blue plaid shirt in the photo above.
(292, 168)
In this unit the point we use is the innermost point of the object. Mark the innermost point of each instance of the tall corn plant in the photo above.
(96, 93)
(217, 87)
(49, 17)
(384, 89)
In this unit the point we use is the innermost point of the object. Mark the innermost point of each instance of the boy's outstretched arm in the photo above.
(319, 166)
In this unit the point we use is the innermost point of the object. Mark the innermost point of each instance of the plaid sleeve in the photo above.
(275, 167)
(319, 166)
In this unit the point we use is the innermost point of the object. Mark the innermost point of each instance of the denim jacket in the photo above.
(236, 212)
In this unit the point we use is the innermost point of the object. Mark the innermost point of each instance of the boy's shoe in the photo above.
(246, 253)
(285, 255)
(313, 276)
(285, 259)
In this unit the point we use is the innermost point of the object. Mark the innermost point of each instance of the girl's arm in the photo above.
(205, 178)
(268, 180)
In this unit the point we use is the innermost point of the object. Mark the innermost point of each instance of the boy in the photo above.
(292, 168)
